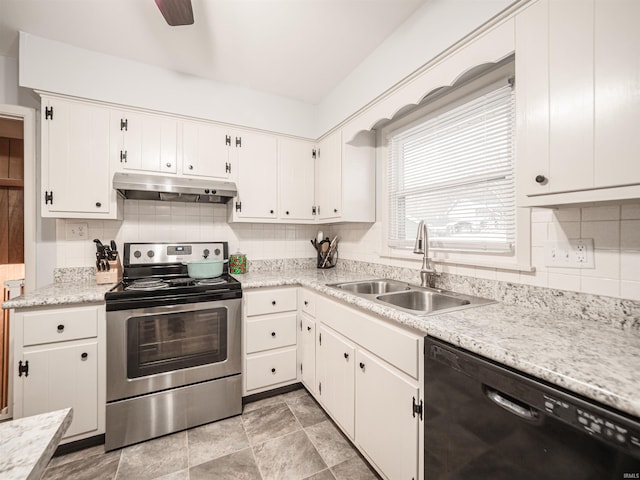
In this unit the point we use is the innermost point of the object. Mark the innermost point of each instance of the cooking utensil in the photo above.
(114, 251)
(205, 267)
(331, 249)
(319, 237)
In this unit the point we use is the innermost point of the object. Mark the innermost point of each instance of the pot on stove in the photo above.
(205, 267)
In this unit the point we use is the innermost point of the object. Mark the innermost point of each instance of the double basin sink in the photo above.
(410, 298)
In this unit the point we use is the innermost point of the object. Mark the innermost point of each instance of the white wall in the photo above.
(8, 80)
(431, 30)
(57, 67)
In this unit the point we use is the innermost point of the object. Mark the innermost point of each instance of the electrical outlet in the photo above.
(573, 253)
(77, 231)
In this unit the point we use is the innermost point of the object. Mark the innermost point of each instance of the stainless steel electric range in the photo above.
(173, 343)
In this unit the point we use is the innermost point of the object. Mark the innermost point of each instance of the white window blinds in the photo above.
(456, 171)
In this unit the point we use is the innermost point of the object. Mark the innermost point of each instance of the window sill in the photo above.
(496, 265)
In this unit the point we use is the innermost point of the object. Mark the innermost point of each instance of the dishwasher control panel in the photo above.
(595, 424)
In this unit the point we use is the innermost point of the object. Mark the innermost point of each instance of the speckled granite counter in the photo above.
(27, 444)
(61, 294)
(594, 359)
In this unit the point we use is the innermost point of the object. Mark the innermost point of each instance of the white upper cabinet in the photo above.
(295, 179)
(578, 101)
(256, 159)
(205, 150)
(345, 178)
(146, 142)
(76, 180)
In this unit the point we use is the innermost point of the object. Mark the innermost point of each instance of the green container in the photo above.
(238, 263)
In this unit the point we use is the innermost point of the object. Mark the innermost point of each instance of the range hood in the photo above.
(142, 186)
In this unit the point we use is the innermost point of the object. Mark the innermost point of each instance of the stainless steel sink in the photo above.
(421, 300)
(373, 287)
(410, 298)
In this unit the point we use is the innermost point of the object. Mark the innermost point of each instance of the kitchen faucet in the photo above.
(428, 272)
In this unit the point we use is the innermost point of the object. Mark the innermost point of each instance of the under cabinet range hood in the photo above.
(142, 186)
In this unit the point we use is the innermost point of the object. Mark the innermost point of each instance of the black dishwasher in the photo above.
(485, 421)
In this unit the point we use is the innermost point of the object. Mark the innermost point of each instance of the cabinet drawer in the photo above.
(307, 302)
(260, 302)
(271, 368)
(60, 325)
(272, 332)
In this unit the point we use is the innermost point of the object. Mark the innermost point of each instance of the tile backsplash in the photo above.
(155, 221)
(615, 230)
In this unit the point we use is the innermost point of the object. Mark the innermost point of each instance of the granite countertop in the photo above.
(589, 357)
(63, 293)
(594, 359)
(27, 444)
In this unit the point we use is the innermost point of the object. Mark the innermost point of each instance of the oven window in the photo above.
(172, 341)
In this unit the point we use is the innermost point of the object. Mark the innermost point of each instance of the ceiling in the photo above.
(300, 49)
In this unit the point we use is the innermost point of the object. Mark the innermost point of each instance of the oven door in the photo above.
(157, 348)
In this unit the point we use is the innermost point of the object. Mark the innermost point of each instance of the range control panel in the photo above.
(164, 253)
(595, 424)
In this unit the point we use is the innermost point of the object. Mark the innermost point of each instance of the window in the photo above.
(454, 168)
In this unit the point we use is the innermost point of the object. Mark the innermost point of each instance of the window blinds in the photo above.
(456, 171)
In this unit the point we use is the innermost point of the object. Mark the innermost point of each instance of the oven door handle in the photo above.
(522, 410)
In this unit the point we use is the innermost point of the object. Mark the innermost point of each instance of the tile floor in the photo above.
(285, 437)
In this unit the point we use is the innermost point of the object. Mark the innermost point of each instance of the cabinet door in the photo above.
(149, 142)
(257, 175)
(328, 180)
(617, 92)
(335, 371)
(75, 158)
(385, 426)
(61, 378)
(205, 150)
(307, 347)
(295, 179)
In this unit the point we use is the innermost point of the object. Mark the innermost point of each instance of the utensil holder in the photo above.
(330, 262)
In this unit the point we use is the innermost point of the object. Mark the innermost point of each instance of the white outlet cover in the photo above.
(572, 253)
(76, 231)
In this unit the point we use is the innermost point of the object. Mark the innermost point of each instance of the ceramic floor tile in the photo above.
(236, 466)
(292, 456)
(354, 469)
(269, 422)
(179, 475)
(79, 455)
(265, 402)
(323, 475)
(333, 447)
(306, 410)
(94, 467)
(216, 440)
(154, 458)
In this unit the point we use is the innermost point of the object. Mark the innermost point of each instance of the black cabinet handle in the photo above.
(273, 302)
(308, 329)
(287, 212)
(84, 355)
(346, 355)
(362, 365)
(270, 211)
(168, 165)
(273, 334)
(306, 302)
(541, 179)
(98, 204)
(273, 370)
(60, 328)
(335, 210)
(190, 167)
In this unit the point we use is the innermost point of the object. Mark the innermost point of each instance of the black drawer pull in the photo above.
(346, 355)
(273, 370)
(362, 365)
(541, 179)
(308, 329)
(60, 328)
(273, 334)
(84, 355)
(273, 302)
(306, 302)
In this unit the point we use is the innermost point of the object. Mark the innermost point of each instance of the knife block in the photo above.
(114, 275)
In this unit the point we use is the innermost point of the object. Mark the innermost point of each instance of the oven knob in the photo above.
(217, 251)
(150, 253)
(206, 252)
(137, 254)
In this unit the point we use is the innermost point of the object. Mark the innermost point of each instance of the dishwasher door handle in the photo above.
(523, 411)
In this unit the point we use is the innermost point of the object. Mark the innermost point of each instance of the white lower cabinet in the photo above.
(307, 353)
(59, 362)
(269, 339)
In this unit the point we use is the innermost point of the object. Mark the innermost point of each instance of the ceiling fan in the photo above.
(176, 12)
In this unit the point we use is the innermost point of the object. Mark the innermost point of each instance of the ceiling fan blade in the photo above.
(176, 12)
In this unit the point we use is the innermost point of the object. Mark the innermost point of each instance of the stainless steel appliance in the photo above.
(483, 420)
(173, 344)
